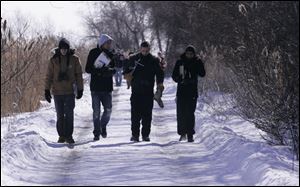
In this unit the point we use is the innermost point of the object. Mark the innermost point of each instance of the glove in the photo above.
(48, 96)
(79, 94)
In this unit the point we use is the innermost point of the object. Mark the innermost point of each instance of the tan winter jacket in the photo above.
(73, 71)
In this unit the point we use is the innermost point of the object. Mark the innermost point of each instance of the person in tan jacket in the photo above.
(64, 79)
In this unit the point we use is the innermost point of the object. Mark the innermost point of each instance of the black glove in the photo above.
(79, 94)
(48, 96)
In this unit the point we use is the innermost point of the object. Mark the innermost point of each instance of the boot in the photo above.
(96, 138)
(182, 138)
(61, 140)
(190, 138)
(146, 139)
(103, 133)
(134, 139)
(70, 140)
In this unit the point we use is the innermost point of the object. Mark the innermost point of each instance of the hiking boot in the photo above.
(61, 140)
(70, 140)
(134, 139)
(96, 138)
(182, 138)
(190, 138)
(146, 139)
(103, 133)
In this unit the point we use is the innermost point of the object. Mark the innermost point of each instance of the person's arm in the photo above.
(175, 75)
(201, 69)
(49, 81)
(78, 74)
(49, 76)
(89, 67)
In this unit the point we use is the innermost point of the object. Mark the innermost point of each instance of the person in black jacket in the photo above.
(186, 72)
(100, 64)
(141, 72)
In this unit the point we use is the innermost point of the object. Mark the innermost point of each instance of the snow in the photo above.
(226, 151)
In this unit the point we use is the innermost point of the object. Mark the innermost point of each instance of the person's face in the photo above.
(189, 54)
(63, 51)
(107, 45)
(145, 51)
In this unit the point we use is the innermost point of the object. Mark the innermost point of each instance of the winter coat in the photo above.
(68, 65)
(101, 78)
(144, 73)
(193, 68)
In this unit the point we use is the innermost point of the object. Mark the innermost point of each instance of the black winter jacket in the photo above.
(188, 84)
(146, 69)
(101, 79)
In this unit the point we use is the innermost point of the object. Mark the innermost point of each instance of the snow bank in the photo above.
(239, 145)
(227, 151)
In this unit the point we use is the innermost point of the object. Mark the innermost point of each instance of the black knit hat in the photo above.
(64, 44)
(191, 49)
(145, 44)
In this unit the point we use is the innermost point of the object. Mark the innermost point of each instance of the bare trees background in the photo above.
(125, 21)
(23, 61)
(251, 50)
(25, 53)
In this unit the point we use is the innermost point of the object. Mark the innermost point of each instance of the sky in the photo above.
(62, 16)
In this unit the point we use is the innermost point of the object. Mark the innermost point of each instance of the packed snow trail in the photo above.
(223, 152)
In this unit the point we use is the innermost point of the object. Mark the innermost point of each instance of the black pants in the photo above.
(186, 107)
(141, 111)
(64, 105)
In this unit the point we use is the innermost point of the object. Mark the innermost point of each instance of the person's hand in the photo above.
(79, 94)
(48, 96)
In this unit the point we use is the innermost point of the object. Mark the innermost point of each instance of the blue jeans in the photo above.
(64, 105)
(118, 76)
(101, 122)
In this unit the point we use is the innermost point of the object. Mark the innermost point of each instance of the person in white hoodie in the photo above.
(100, 64)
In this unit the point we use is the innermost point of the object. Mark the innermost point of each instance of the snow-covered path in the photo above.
(222, 154)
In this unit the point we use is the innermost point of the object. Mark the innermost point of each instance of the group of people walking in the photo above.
(142, 72)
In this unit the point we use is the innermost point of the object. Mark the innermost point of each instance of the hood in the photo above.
(104, 38)
(64, 43)
(56, 52)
